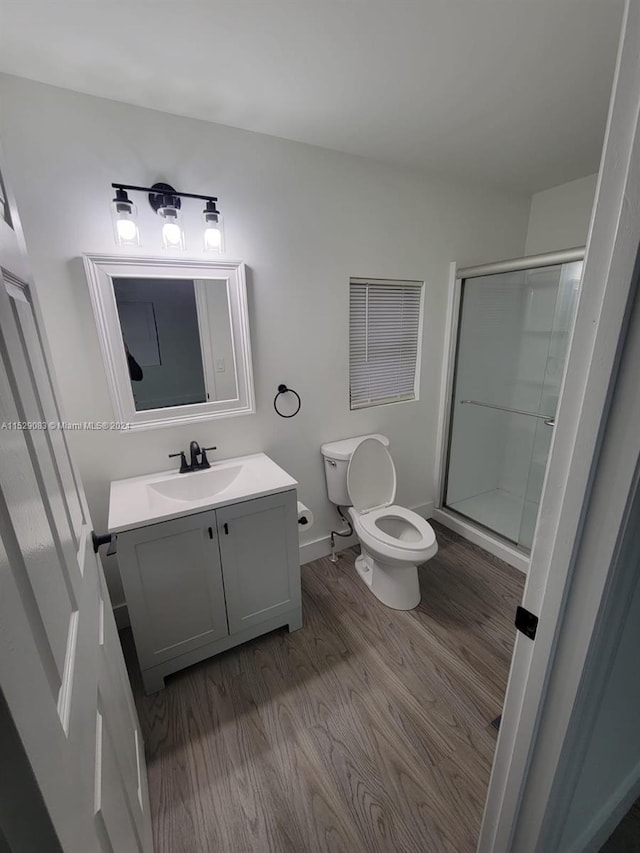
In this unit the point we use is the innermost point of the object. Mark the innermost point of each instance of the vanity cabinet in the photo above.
(202, 583)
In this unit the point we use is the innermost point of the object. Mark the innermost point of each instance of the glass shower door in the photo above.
(512, 340)
(562, 325)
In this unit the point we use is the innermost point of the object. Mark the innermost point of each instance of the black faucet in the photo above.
(194, 464)
(194, 452)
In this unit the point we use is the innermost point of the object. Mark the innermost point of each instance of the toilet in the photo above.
(394, 541)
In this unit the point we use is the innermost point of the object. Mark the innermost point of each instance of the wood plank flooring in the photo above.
(367, 730)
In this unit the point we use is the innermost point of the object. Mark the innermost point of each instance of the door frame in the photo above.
(546, 674)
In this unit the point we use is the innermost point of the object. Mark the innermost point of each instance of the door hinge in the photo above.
(526, 622)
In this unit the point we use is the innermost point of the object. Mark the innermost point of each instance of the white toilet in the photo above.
(394, 541)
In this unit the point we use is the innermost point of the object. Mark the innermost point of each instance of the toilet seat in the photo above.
(371, 484)
(393, 550)
(369, 522)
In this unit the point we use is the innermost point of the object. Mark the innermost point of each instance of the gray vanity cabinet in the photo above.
(260, 559)
(173, 586)
(199, 584)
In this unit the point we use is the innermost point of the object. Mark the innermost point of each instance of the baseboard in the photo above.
(121, 615)
(321, 547)
(425, 510)
(606, 819)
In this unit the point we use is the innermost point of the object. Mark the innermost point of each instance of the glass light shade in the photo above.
(172, 234)
(213, 234)
(125, 226)
(213, 237)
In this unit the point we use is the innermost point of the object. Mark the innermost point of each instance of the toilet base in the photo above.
(396, 586)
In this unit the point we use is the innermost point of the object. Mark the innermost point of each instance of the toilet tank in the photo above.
(336, 461)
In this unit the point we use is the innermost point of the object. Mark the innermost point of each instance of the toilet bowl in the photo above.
(394, 540)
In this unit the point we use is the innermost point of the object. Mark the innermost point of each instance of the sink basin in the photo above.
(151, 498)
(196, 485)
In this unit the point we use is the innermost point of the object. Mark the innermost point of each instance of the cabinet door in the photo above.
(260, 559)
(173, 586)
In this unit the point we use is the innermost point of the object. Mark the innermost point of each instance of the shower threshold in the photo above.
(474, 530)
(499, 511)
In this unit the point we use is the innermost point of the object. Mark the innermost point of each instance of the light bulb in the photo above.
(123, 215)
(212, 238)
(172, 234)
(127, 230)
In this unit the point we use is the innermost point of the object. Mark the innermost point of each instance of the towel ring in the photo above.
(282, 389)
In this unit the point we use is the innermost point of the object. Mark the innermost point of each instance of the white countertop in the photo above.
(138, 501)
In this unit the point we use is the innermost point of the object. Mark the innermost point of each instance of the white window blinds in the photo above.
(384, 341)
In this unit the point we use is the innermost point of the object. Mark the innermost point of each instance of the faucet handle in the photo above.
(204, 462)
(183, 461)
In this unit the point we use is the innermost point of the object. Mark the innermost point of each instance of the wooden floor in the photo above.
(626, 838)
(367, 730)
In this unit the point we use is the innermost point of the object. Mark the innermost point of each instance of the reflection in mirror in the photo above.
(177, 339)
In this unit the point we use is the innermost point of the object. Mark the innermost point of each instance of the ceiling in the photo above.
(512, 93)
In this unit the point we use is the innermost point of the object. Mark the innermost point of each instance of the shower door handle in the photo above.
(549, 422)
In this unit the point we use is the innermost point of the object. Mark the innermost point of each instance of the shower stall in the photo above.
(510, 328)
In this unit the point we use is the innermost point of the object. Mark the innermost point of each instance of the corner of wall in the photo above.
(559, 217)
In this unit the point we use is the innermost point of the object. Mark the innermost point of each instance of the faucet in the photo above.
(195, 451)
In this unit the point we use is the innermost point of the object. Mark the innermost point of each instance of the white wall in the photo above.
(304, 219)
(559, 217)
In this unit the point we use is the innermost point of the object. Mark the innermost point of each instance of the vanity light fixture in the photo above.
(166, 202)
(124, 216)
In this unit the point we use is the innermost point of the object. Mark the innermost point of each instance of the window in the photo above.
(384, 341)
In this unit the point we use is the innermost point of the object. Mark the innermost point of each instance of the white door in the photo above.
(62, 673)
(567, 571)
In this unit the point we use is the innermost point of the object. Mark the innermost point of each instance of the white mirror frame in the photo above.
(101, 269)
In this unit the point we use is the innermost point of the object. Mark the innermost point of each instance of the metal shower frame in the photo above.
(456, 277)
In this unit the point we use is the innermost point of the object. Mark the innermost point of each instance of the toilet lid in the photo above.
(371, 476)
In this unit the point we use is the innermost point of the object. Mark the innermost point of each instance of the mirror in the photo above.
(177, 339)
(174, 337)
